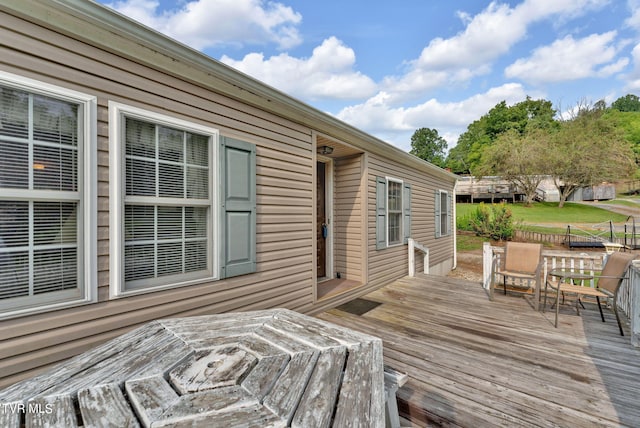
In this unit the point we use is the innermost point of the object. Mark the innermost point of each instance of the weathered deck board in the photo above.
(318, 400)
(106, 406)
(472, 362)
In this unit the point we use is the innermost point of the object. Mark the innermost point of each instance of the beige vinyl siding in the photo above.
(389, 264)
(284, 275)
(348, 218)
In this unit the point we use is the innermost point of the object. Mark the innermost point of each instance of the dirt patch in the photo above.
(469, 266)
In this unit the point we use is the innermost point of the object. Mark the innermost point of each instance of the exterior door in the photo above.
(322, 229)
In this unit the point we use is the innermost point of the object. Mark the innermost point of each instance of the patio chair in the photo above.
(523, 262)
(607, 285)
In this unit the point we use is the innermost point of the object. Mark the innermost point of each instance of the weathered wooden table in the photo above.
(253, 369)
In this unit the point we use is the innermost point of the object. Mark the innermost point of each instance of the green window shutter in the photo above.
(381, 213)
(238, 210)
(406, 211)
(437, 213)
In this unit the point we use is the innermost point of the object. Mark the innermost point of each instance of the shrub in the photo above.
(493, 223)
(464, 223)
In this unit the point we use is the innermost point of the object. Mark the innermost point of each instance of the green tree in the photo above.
(589, 149)
(428, 145)
(520, 158)
(466, 156)
(629, 121)
(629, 102)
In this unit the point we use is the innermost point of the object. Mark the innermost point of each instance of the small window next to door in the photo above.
(321, 219)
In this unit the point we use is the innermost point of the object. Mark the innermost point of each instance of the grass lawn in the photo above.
(465, 242)
(545, 217)
(541, 213)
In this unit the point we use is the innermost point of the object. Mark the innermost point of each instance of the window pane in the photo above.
(197, 183)
(180, 157)
(170, 222)
(14, 113)
(55, 270)
(394, 208)
(171, 181)
(14, 165)
(14, 224)
(196, 256)
(14, 274)
(139, 262)
(197, 149)
(139, 222)
(55, 168)
(141, 178)
(140, 138)
(196, 222)
(55, 121)
(394, 228)
(395, 196)
(183, 254)
(54, 223)
(444, 224)
(170, 144)
(170, 258)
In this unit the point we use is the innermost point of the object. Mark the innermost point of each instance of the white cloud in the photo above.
(470, 53)
(328, 73)
(487, 35)
(634, 20)
(397, 124)
(570, 59)
(206, 23)
(633, 79)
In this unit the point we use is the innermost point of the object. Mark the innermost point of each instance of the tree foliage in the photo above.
(466, 156)
(525, 141)
(428, 145)
(520, 158)
(629, 122)
(629, 102)
(588, 149)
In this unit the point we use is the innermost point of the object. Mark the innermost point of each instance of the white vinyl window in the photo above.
(47, 200)
(394, 211)
(443, 213)
(163, 210)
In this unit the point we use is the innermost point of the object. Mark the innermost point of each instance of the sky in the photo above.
(389, 68)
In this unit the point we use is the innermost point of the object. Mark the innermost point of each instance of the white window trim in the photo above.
(395, 180)
(88, 195)
(116, 195)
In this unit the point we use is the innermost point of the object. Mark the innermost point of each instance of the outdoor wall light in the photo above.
(325, 150)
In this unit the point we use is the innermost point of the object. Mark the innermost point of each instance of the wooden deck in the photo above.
(476, 363)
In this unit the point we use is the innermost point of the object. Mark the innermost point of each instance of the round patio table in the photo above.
(253, 369)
